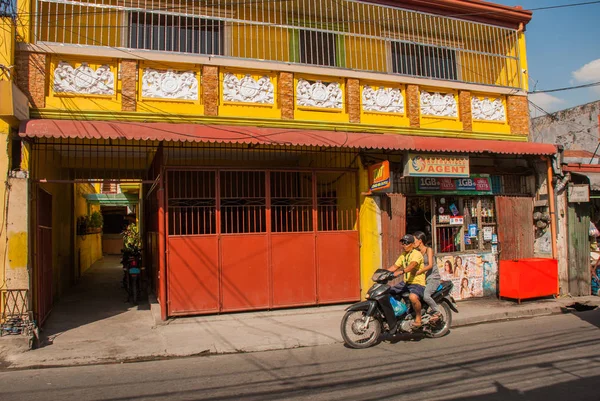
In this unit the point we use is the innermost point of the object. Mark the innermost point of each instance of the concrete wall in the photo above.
(89, 248)
(575, 128)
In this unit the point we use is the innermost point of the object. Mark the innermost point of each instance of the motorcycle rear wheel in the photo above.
(356, 336)
(442, 327)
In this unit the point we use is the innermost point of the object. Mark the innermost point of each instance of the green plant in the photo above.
(131, 238)
(96, 220)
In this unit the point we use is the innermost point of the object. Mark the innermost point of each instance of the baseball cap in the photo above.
(407, 239)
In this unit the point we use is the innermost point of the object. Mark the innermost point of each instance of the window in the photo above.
(423, 61)
(176, 34)
(319, 48)
(476, 212)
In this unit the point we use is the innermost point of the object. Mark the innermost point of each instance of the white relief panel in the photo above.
(248, 89)
(83, 80)
(319, 94)
(487, 109)
(169, 84)
(438, 104)
(389, 100)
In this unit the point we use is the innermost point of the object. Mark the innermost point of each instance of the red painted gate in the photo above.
(515, 227)
(43, 275)
(243, 240)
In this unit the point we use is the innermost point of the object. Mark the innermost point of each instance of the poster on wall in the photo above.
(473, 275)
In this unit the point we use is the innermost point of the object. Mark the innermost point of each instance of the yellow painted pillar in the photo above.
(4, 132)
(523, 60)
(24, 21)
(369, 232)
(6, 60)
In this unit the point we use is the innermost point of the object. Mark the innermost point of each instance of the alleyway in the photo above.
(83, 315)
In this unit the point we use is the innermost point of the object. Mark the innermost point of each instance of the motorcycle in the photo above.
(364, 322)
(131, 262)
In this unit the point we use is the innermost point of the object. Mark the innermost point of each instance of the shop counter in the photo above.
(528, 278)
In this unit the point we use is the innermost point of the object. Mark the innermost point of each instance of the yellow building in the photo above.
(251, 126)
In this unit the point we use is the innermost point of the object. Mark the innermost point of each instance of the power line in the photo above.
(566, 88)
(587, 3)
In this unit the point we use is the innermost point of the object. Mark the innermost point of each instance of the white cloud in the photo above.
(547, 102)
(589, 72)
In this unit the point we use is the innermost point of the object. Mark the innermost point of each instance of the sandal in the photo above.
(436, 316)
(414, 325)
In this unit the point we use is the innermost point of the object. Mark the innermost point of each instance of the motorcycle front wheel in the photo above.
(357, 332)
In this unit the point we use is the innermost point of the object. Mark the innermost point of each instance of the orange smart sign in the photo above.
(379, 177)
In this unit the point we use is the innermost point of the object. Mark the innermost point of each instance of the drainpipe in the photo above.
(552, 207)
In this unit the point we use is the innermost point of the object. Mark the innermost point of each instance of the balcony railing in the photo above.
(330, 33)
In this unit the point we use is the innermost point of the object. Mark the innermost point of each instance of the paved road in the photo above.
(548, 358)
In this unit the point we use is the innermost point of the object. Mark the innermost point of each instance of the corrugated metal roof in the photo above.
(270, 136)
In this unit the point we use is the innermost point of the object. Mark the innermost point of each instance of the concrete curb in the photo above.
(511, 315)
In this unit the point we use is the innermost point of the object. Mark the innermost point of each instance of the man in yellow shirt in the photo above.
(410, 263)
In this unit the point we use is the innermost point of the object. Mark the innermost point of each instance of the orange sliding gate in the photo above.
(242, 240)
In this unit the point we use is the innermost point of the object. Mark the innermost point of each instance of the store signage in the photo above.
(579, 193)
(457, 220)
(380, 179)
(474, 185)
(444, 218)
(426, 165)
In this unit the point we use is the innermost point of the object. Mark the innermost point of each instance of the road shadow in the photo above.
(579, 389)
(588, 313)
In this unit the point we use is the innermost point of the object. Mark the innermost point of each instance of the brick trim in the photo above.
(129, 85)
(210, 90)
(353, 99)
(285, 93)
(31, 76)
(413, 105)
(518, 115)
(465, 110)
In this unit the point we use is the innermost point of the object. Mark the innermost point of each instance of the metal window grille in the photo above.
(364, 36)
(243, 202)
(292, 199)
(174, 33)
(246, 200)
(192, 202)
(336, 201)
(318, 48)
(424, 61)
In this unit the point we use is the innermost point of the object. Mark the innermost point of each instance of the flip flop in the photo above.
(413, 325)
(435, 317)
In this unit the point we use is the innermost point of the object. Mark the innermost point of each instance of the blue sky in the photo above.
(563, 49)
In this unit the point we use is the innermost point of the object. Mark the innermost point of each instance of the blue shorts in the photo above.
(402, 287)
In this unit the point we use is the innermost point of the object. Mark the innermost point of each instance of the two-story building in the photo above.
(283, 147)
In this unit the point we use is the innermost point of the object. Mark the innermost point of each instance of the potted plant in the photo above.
(95, 222)
(131, 238)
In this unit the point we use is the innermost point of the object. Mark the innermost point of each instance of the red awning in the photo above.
(270, 136)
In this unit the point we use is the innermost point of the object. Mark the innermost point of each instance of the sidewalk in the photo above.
(138, 334)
